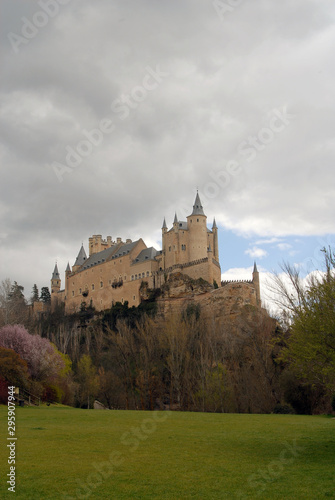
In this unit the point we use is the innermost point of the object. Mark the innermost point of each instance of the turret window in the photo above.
(183, 247)
(92, 286)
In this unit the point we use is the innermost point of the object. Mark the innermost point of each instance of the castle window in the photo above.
(143, 275)
(92, 286)
(125, 278)
(135, 276)
(197, 220)
(183, 247)
(134, 297)
(72, 293)
(79, 291)
(132, 277)
(101, 284)
(148, 273)
(169, 249)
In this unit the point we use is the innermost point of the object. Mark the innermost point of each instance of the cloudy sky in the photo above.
(114, 112)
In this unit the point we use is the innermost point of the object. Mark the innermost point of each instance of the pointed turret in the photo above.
(255, 280)
(55, 274)
(175, 223)
(164, 226)
(55, 280)
(215, 240)
(197, 207)
(81, 257)
(68, 269)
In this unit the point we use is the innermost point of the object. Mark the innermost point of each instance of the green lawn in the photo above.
(70, 453)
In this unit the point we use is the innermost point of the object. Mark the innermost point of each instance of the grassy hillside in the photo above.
(70, 453)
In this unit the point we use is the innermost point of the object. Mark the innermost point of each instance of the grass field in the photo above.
(64, 453)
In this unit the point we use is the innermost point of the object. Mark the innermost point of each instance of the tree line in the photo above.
(133, 358)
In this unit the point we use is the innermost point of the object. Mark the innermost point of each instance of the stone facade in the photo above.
(114, 270)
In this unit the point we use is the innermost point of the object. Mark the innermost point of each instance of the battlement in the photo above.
(182, 266)
(229, 282)
(97, 244)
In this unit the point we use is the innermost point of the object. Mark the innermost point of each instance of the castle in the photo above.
(114, 270)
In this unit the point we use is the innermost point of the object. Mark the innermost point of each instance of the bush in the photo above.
(333, 402)
(283, 409)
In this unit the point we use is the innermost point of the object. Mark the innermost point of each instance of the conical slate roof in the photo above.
(214, 224)
(55, 274)
(197, 207)
(255, 268)
(164, 224)
(81, 257)
(68, 269)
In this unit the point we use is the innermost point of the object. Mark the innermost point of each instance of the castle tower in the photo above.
(255, 280)
(197, 227)
(55, 280)
(215, 241)
(164, 231)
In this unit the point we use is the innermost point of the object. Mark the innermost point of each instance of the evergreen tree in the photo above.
(35, 294)
(45, 295)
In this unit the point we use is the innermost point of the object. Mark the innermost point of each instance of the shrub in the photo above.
(333, 402)
(283, 409)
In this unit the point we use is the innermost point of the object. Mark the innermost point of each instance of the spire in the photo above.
(255, 268)
(55, 274)
(164, 224)
(197, 207)
(214, 224)
(175, 218)
(68, 269)
(81, 257)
